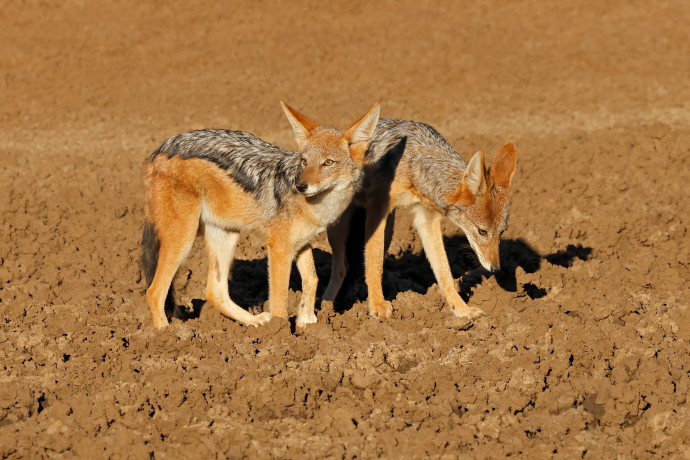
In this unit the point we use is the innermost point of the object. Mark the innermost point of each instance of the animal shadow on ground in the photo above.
(248, 284)
(412, 272)
(517, 253)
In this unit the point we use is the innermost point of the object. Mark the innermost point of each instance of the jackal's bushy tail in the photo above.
(150, 245)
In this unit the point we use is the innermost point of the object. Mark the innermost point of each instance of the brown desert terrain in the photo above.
(584, 349)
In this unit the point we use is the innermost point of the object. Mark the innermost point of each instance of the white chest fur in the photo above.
(329, 206)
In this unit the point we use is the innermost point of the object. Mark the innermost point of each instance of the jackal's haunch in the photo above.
(220, 182)
(410, 165)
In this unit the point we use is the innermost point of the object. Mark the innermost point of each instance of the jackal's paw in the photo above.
(468, 312)
(305, 318)
(381, 309)
(160, 323)
(260, 319)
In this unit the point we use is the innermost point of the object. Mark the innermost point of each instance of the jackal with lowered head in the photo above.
(410, 165)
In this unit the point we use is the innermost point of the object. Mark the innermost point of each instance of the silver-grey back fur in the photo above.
(263, 169)
(435, 167)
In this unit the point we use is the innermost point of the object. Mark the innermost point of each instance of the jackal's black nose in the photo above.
(495, 268)
(301, 188)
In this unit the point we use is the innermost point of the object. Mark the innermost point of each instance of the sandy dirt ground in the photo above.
(584, 351)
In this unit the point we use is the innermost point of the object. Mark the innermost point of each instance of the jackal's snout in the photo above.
(312, 181)
(488, 257)
(493, 258)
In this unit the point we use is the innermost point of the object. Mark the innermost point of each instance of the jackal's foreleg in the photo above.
(307, 270)
(279, 266)
(374, 253)
(428, 225)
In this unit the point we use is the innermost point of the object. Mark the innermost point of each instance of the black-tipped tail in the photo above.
(149, 252)
(150, 246)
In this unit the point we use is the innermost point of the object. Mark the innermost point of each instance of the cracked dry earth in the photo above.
(583, 352)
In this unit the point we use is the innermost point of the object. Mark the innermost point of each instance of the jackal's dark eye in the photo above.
(304, 162)
(481, 231)
(328, 162)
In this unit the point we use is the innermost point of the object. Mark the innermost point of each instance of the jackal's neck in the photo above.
(437, 174)
(329, 206)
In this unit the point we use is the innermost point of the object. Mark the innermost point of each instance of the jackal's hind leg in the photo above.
(176, 239)
(220, 247)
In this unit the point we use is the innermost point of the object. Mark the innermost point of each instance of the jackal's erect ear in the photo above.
(301, 125)
(474, 179)
(503, 168)
(359, 134)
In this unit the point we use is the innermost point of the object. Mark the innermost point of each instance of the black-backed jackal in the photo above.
(410, 165)
(220, 182)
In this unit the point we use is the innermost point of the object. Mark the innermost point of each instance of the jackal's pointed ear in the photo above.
(503, 168)
(359, 134)
(474, 179)
(301, 125)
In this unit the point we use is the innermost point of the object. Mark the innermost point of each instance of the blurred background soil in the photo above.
(584, 349)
